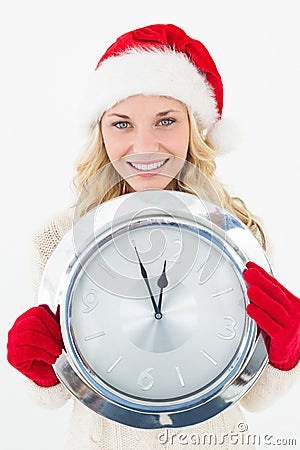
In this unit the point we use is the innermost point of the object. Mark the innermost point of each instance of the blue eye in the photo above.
(121, 125)
(166, 122)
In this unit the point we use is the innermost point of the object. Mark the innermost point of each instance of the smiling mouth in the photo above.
(148, 167)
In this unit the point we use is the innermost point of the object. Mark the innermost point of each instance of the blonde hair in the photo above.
(98, 181)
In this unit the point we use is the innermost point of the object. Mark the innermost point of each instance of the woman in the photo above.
(156, 110)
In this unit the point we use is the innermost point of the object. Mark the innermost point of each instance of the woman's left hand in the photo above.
(277, 312)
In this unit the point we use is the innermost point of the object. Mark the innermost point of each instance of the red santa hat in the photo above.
(161, 60)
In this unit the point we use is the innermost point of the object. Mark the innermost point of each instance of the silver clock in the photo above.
(153, 309)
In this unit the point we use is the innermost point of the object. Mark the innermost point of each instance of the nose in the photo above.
(145, 141)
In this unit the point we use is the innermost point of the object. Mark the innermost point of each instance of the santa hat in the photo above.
(161, 60)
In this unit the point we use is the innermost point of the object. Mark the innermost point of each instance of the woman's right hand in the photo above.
(35, 343)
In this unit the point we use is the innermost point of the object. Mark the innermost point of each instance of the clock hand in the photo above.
(162, 283)
(158, 314)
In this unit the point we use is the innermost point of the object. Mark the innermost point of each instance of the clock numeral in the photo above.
(94, 336)
(90, 300)
(230, 328)
(226, 291)
(145, 379)
(209, 357)
(180, 376)
(201, 279)
(177, 249)
(117, 361)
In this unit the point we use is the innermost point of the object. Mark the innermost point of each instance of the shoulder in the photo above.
(46, 238)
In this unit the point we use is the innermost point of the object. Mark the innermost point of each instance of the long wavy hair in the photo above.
(97, 181)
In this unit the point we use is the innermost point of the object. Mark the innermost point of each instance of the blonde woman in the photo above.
(156, 123)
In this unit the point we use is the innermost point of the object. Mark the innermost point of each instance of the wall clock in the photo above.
(153, 309)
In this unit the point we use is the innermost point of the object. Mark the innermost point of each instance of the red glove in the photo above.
(277, 313)
(34, 344)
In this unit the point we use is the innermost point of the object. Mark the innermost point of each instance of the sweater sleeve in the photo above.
(271, 386)
(273, 383)
(44, 243)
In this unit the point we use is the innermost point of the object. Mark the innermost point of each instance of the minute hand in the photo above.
(162, 283)
(145, 276)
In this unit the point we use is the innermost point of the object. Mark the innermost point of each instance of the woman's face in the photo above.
(146, 139)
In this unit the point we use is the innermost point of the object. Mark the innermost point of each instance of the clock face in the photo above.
(119, 342)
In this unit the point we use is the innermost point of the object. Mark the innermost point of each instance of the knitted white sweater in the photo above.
(90, 431)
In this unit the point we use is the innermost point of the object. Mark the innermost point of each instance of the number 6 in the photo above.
(145, 379)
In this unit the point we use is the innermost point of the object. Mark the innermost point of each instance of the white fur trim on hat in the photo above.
(150, 72)
(224, 136)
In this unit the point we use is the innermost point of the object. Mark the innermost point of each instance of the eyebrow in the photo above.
(122, 116)
(165, 113)
(160, 114)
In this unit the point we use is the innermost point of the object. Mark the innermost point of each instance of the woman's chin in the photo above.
(152, 182)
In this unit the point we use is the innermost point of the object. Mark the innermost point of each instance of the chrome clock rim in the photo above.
(71, 372)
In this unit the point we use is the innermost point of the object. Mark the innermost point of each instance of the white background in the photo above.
(47, 51)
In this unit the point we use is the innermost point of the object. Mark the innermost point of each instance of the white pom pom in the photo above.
(225, 136)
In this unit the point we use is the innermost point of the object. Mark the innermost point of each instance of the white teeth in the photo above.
(149, 166)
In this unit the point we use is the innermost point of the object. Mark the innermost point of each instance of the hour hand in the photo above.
(145, 276)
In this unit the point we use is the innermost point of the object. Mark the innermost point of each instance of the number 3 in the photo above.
(230, 328)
